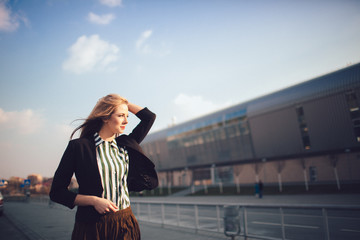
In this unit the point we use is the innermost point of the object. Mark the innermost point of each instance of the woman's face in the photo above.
(118, 120)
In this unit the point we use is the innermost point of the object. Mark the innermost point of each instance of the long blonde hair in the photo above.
(102, 111)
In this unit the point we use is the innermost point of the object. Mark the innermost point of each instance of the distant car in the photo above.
(1, 204)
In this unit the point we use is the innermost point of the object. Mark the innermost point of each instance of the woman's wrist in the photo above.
(133, 108)
(85, 200)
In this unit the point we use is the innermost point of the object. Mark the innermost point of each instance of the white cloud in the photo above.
(91, 53)
(10, 21)
(141, 45)
(189, 107)
(100, 19)
(25, 122)
(111, 3)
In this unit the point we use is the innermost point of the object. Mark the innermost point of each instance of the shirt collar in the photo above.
(99, 140)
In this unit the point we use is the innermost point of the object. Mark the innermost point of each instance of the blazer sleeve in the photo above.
(141, 130)
(59, 189)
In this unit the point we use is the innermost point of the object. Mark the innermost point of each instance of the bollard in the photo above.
(231, 221)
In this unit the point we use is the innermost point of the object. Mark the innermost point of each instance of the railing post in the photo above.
(162, 214)
(326, 224)
(178, 214)
(149, 212)
(138, 209)
(245, 222)
(218, 217)
(282, 223)
(196, 217)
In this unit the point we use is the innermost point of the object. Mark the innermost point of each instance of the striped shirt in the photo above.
(113, 166)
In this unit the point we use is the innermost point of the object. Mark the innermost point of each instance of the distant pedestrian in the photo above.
(27, 194)
(107, 166)
(261, 186)
(256, 189)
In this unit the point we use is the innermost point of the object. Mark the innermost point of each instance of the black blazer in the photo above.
(80, 158)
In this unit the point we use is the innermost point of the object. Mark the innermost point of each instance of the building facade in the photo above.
(304, 134)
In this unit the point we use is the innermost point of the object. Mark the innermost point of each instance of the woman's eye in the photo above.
(122, 116)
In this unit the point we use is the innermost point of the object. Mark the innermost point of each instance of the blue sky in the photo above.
(182, 59)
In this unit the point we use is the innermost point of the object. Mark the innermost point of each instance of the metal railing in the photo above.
(258, 221)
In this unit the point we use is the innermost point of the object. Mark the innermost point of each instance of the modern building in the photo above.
(308, 133)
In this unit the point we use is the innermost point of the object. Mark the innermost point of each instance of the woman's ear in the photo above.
(105, 119)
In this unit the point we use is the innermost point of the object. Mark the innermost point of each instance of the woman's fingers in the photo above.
(110, 206)
(113, 207)
(104, 206)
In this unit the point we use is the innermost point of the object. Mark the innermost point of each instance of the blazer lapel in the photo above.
(92, 148)
(93, 161)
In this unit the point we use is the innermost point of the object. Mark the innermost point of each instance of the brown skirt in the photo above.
(120, 225)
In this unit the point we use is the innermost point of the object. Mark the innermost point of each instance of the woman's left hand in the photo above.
(103, 205)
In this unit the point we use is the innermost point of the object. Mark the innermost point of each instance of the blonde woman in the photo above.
(107, 165)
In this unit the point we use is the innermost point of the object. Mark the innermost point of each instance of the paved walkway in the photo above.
(8, 231)
(38, 221)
